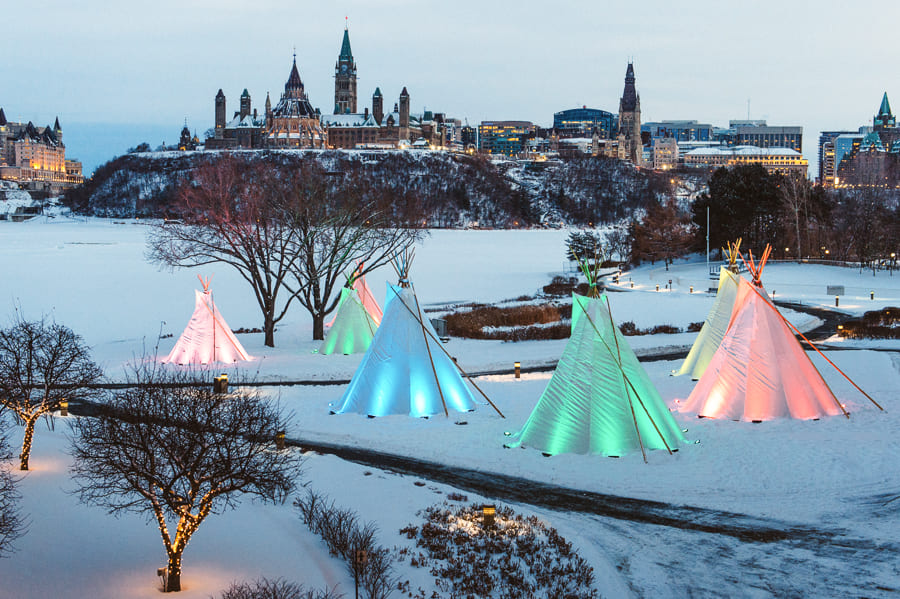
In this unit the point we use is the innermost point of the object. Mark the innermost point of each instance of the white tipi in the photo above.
(207, 337)
(406, 369)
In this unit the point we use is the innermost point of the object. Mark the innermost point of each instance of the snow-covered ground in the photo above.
(836, 475)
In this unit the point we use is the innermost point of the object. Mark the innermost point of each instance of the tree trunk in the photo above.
(269, 330)
(318, 326)
(173, 573)
(26, 443)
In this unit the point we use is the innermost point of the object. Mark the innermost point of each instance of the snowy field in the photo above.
(835, 476)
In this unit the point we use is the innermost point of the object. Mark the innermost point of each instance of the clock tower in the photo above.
(345, 79)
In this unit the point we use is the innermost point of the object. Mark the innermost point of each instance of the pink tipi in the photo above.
(207, 337)
(760, 371)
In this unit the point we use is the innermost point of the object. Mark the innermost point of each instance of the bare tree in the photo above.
(233, 213)
(336, 227)
(42, 364)
(169, 448)
(11, 524)
(665, 233)
(795, 197)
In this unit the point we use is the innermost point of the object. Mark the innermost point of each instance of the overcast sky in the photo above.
(821, 64)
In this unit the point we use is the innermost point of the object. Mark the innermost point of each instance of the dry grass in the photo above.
(472, 324)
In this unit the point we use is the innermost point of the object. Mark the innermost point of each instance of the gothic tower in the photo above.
(404, 114)
(220, 115)
(378, 105)
(345, 79)
(630, 119)
(245, 103)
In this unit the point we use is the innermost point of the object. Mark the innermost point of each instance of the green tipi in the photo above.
(599, 400)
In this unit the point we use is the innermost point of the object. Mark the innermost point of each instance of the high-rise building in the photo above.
(679, 130)
(345, 79)
(758, 133)
(581, 122)
(504, 137)
(629, 125)
(828, 161)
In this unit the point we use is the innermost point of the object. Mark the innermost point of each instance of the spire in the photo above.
(404, 93)
(629, 96)
(346, 53)
(377, 94)
(294, 83)
(2, 118)
(56, 126)
(220, 94)
(246, 94)
(885, 109)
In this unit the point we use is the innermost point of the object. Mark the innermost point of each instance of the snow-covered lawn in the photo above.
(91, 275)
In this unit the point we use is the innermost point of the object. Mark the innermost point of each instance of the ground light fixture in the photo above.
(488, 512)
(517, 366)
(220, 384)
(64, 407)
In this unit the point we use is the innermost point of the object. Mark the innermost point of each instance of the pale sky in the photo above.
(821, 64)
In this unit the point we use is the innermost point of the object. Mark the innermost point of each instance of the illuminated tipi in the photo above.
(760, 371)
(363, 294)
(207, 337)
(406, 369)
(717, 320)
(599, 400)
(353, 327)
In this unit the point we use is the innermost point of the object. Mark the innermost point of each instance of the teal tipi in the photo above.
(599, 400)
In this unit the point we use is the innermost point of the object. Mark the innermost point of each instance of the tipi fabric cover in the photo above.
(207, 337)
(585, 407)
(353, 327)
(396, 374)
(714, 328)
(760, 371)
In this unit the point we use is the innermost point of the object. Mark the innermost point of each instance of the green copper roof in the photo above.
(345, 47)
(885, 106)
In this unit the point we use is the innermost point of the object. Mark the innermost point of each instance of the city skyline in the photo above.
(504, 60)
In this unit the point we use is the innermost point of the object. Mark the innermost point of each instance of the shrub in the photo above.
(876, 324)
(516, 558)
(344, 535)
(694, 327)
(276, 589)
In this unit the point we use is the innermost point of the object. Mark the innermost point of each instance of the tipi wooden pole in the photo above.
(428, 348)
(458, 367)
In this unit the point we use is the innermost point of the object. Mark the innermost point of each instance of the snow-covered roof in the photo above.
(744, 151)
(348, 120)
(247, 122)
